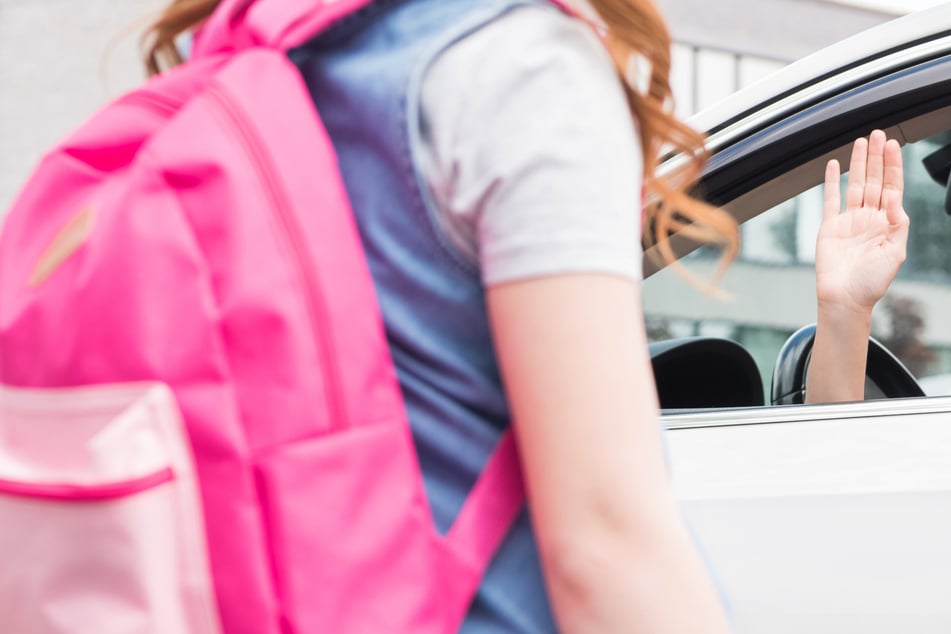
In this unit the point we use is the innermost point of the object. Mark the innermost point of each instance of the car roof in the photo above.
(900, 41)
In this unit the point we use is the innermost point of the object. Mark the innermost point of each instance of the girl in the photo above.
(495, 153)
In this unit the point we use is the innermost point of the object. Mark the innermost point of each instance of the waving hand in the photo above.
(858, 253)
(859, 250)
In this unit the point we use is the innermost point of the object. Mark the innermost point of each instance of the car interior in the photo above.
(720, 373)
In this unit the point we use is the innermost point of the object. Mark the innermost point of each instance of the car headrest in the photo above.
(698, 372)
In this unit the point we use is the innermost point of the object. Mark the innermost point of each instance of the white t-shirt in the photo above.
(530, 152)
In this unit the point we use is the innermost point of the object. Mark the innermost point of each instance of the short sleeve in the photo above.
(530, 152)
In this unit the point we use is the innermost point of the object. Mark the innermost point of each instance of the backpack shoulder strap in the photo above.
(491, 508)
(277, 24)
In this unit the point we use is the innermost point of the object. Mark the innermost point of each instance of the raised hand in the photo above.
(859, 250)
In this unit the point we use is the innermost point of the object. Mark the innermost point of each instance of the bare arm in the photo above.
(858, 253)
(615, 553)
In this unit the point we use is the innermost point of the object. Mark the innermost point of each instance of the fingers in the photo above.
(871, 172)
(874, 170)
(855, 191)
(893, 184)
(831, 198)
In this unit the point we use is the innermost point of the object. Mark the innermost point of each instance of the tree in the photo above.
(904, 339)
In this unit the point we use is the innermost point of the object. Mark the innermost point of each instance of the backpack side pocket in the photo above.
(101, 527)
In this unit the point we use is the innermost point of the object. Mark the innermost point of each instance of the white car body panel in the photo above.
(833, 519)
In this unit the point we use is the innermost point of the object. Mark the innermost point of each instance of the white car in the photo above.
(828, 518)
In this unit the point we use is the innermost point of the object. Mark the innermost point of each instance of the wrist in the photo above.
(837, 367)
(840, 310)
(844, 319)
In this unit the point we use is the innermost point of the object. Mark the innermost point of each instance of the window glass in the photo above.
(771, 285)
(911, 319)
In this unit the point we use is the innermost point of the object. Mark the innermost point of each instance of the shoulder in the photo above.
(535, 40)
(530, 150)
(533, 64)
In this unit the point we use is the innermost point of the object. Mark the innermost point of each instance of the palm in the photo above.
(859, 251)
(858, 254)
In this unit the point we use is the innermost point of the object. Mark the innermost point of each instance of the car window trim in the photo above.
(881, 103)
(775, 414)
(820, 130)
(823, 86)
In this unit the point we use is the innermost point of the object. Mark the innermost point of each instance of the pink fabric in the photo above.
(133, 560)
(223, 262)
(76, 493)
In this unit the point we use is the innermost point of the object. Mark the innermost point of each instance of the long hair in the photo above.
(639, 43)
(180, 16)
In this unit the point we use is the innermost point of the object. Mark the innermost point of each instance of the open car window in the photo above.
(772, 282)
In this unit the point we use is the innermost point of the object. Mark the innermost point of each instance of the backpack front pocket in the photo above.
(100, 517)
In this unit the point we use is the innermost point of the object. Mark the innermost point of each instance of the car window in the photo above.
(772, 282)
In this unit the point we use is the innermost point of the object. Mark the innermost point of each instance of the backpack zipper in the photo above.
(300, 252)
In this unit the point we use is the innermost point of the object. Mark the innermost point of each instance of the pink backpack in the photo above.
(201, 429)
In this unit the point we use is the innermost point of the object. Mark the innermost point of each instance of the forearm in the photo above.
(647, 580)
(837, 367)
(614, 548)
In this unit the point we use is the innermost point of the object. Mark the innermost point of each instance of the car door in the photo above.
(823, 518)
(819, 519)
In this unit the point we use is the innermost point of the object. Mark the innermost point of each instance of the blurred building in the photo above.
(60, 60)
(724, 45)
